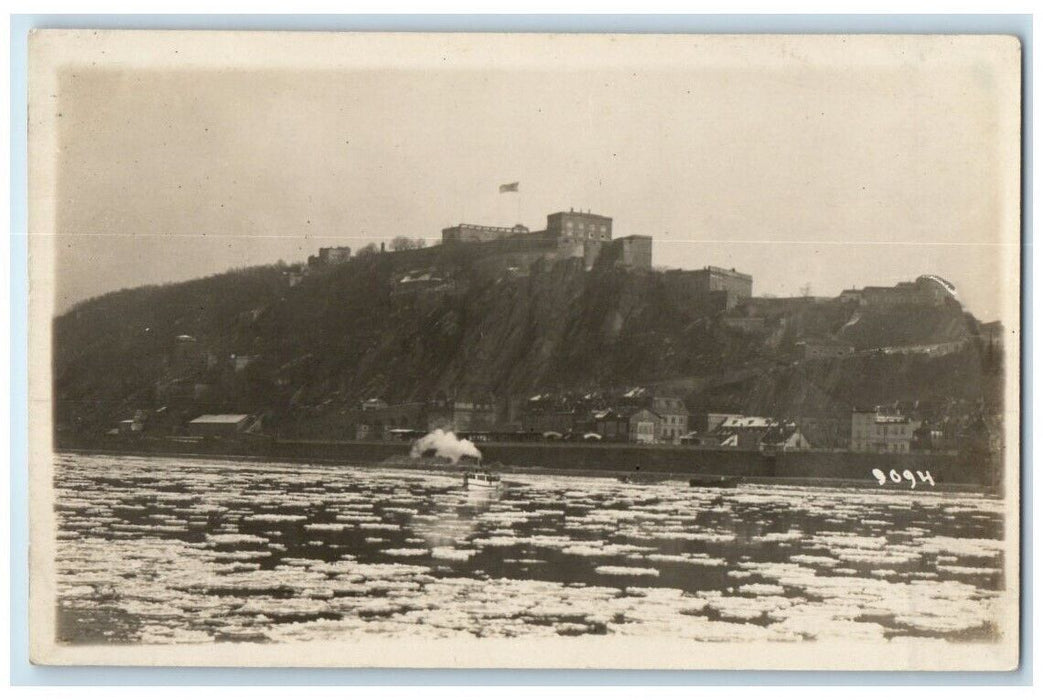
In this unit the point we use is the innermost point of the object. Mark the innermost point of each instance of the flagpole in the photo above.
(515, 189)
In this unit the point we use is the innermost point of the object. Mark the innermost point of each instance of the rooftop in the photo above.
(779, 434)
(222, 418)
(517, 228)
(748, 422)
(587, 214)
(722, 271)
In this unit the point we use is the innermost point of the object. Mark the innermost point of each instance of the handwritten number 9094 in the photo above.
(906, 476)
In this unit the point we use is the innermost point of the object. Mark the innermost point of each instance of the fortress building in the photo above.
(582, 240)
(579, 226)
(715, 288)
(474, 233)
(631, 251)
(733, 286)
(927, 290)
(330, 256)
(571, 226)
(569, 235)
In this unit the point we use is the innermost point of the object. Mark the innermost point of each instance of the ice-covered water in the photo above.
(176, 550)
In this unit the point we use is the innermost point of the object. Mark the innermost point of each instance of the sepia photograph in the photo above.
(520, 350)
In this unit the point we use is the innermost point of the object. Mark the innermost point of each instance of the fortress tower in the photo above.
(579, 226)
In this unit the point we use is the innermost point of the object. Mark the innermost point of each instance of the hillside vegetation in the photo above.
(356, 330)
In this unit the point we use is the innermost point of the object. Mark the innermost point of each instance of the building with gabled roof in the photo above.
(879, 430)
(743, 432)
(674, 416)
(222, 425)
(784, 438)
(644, 426)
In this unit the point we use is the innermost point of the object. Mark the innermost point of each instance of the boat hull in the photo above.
(481, 482)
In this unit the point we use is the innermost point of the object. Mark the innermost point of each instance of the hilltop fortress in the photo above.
(581, 239)
(583, 236)
(585, 240)
(574, 235)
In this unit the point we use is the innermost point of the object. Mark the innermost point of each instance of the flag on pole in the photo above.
(509, 187)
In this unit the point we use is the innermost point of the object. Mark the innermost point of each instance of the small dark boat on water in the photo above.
(643, 479)
(715, 482)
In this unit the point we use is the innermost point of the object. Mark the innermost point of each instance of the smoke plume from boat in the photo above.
(445, 444)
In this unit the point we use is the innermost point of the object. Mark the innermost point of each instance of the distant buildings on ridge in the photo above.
(927, 289)
(637, 416)
(583, 237)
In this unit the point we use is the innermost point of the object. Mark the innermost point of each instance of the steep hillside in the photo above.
(905, 325)
(363, 329)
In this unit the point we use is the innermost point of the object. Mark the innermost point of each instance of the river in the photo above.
(173, 550)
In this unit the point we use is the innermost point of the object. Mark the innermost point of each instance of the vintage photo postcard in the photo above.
(524, 351)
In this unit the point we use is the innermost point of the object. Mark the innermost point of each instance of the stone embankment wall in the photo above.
(944, 468)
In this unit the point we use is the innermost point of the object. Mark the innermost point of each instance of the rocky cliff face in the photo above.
(357, 330)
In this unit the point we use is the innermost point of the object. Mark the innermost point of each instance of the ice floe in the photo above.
(190, 551)
(626, 571)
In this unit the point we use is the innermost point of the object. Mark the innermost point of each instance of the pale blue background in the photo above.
(22, 673)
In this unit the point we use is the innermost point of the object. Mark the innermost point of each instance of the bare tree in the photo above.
(403, 243)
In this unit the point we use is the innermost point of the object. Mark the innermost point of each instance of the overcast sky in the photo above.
(830, 175)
